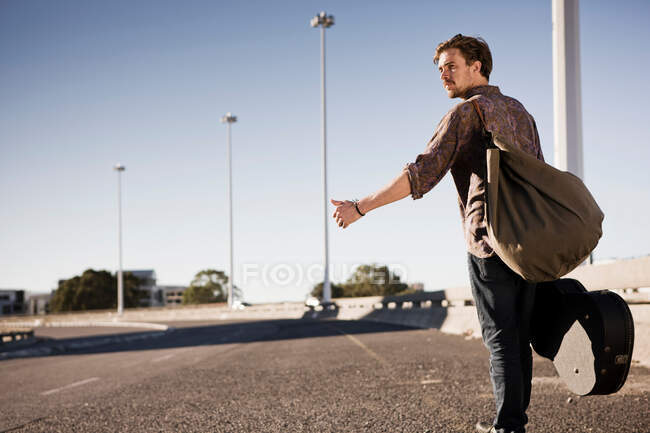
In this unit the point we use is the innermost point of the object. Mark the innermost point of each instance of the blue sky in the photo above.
(87, 84)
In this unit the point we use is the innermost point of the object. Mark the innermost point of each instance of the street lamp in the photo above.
(120, 278)
(324, 21)
(229, 119)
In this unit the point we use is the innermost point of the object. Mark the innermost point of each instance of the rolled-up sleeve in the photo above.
(432, 165)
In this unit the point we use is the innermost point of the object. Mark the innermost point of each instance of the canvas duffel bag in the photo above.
(542, 222)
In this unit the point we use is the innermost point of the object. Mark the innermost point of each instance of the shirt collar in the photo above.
(482, 90)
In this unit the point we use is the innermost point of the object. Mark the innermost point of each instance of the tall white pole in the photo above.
(327, 291)
(324, 21)
(232, 275)
(229, 119)
(567, 93)
(567, 97)
(120, 277)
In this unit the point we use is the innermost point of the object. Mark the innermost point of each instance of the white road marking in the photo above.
(170, 355)
(426, 382)
(163, 358)
(72, 385)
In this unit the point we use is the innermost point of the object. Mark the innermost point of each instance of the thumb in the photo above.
(336, 202)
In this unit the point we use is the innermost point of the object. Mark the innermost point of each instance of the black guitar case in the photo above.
(589, 336)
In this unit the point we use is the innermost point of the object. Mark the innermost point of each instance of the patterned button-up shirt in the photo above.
(458, 145)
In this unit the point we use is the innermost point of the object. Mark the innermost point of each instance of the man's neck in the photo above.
(477, 83)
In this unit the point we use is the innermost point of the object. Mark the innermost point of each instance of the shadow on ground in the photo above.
(187, 335)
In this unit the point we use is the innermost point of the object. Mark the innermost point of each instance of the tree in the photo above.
(374, 280)
(199, 295)
(94, 290)
(367, 280)
(337, 291)
(209, 285)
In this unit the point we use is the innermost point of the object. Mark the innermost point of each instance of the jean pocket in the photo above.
(493, 269)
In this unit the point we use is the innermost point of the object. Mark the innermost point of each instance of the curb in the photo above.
(88, 323)
(54, 348)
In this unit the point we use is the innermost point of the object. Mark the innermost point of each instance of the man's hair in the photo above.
(472, 49)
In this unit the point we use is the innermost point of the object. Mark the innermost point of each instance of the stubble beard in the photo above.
(457, 93)
(452, 93)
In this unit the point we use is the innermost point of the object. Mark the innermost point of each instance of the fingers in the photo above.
(341, 222)
(336, 203)
(338, 212)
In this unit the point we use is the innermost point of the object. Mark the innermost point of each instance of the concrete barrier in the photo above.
(137, 316)
(9, 337)
(619, 275)
(424, 310)
(641, 315)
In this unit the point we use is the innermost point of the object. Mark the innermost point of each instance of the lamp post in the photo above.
(229, 119)
(120, 277)
(567, 98)
(324, 21)
(567, 93)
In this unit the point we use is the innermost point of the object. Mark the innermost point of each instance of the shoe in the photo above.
(483, 427)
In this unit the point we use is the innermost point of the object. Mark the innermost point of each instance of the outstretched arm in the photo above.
(346, 213)
(422, 175)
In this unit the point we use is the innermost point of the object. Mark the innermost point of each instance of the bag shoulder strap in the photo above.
(478, 111)
(486, 134)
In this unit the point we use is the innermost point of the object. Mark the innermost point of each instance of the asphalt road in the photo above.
(291, 376)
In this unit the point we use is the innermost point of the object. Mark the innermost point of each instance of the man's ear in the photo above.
(476, 66)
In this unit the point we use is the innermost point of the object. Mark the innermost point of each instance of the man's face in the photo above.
(457, 77)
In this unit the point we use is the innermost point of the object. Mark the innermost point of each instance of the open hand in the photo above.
(345, 213)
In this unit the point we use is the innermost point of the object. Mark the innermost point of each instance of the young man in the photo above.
(503, 300)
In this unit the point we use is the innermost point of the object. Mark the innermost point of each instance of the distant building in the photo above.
(157, 296)
(39, 304)
(147, 278)
(12, 301)
(172, 295)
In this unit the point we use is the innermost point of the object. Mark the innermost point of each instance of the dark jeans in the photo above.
(504, 302)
